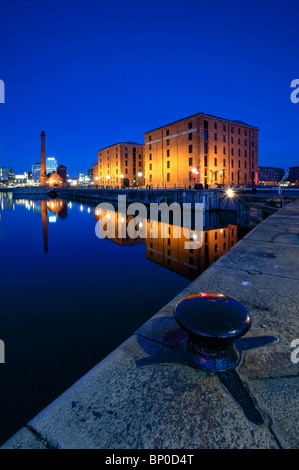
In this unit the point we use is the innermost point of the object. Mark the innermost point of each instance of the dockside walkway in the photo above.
(117, 405)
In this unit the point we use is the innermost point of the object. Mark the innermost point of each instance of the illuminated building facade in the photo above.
(55, 180)
(269, 175)
(121, 165)
(95, 174)
(201, 149)
(6, 174)
(294, 174)
(51, 165)
(35, 171)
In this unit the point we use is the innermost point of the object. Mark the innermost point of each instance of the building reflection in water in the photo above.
(49, 209)
(44, 209)
(56, 207)
(115, 220)
(170, 252)
(6, 201)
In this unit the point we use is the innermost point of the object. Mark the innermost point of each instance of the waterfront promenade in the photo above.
(119, 406)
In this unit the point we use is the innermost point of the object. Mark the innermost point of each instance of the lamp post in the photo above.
(222, 174)
(108, 178)
(121, 180)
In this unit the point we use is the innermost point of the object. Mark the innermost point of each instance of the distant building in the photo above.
(294, 174)
(36, 171)
(62, 171)
(51, 165)
(24, 178)
(201, 149)
(121, 165)
(20, 179)
(84, 179)
(90, 173)
(28, 175)
(54, 180)
(6, 174)
(269, 175)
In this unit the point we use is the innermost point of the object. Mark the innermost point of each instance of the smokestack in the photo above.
(43, 171)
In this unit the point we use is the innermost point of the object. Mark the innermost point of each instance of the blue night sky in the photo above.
(91, 73)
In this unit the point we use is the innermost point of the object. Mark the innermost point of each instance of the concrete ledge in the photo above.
(25, 439)
(119, 406)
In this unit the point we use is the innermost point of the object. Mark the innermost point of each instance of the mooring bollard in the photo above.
(213, 325)
(213, 322)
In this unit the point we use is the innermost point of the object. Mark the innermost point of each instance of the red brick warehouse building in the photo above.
(121, 165)
(203, 149)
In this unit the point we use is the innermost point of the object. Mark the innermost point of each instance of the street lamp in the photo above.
(222, 174)
(121, 179)
(195, 173)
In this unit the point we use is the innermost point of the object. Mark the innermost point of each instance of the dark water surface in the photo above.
(68, 298)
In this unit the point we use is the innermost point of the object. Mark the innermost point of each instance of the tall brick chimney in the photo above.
(43, 171)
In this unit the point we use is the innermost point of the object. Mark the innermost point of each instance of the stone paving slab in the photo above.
(119, 406)
(24, 439)
(275, 259)
(265, 297)
(279, 399)
(273, 233)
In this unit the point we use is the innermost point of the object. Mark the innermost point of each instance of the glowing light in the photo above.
(230, 193)
(81, 208)
(108, 177)
(121, 175)
(140, 174)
